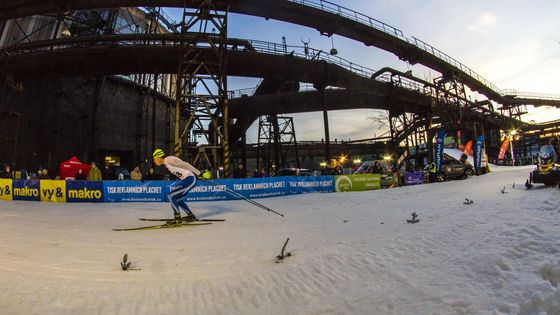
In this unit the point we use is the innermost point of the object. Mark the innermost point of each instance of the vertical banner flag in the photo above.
(438, 156)
(503, 149)
(478, 147)
(468, 148)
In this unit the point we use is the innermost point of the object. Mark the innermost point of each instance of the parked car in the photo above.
(387, 177)
(294, 172)
(452, 169)
(367, 167)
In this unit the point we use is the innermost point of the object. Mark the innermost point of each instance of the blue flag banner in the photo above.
(133, 191)
(84, 191)
(438, 156)
(478, 148)
(24, 189)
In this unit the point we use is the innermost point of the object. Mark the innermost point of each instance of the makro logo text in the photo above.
(26, 192)
(85, 193)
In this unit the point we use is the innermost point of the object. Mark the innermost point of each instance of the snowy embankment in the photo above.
(352, 253)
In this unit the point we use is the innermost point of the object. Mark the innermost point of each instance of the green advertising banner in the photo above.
(357, 182)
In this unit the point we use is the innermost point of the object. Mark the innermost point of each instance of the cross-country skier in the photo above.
(178, 194)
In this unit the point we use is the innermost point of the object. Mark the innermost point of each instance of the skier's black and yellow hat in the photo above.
(158, 153)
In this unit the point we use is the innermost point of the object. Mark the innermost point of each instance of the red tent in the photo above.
(70, 168)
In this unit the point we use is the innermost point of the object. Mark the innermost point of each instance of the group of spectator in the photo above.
(261, 172)
(121, 173)
(7, 172)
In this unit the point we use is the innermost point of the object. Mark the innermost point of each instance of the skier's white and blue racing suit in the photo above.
(178, 194)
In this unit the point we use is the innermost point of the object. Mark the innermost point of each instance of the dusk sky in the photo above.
(513, 44)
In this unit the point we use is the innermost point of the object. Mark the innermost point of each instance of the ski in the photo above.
(184, 220)
(164, 226)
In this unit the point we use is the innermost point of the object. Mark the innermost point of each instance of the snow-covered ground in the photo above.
(352, 253)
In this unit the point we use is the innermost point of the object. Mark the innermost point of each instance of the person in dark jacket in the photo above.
(376, 169)
(80, 175)
(150, 175)
(240, 172)
(261, 173)
(6, 172)
(44, 174)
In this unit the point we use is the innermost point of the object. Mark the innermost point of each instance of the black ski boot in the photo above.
(176, 219)
(189, 218)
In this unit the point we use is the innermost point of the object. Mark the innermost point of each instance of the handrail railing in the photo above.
(249, 45)
(242, 92)
(454, 62)
(174, 40)
(310, 53)
(388, 29)
(351, 14)
(164, 18)
(531, 95)
(368, 21)
(544, 123)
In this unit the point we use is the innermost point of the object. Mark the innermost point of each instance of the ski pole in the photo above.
(251, 201)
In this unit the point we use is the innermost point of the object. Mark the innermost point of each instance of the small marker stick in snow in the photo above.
(125, 264)
(282, 256)
(414, 218)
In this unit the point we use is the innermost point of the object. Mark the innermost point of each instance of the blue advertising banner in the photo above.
(158, 191)
(133, 191)
(478, 147)
(84, 191)
(261, 187)
(209, 190)
(24, 189)
(438, 156)
(309, 184)
(248, 187)
(204, 190)
(414, 178)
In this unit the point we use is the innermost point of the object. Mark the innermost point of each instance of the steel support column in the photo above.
(201, 108)
(326, 127)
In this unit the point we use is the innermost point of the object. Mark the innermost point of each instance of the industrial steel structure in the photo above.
(185, 65)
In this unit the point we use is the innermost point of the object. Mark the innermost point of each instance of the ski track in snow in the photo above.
(500, 255)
